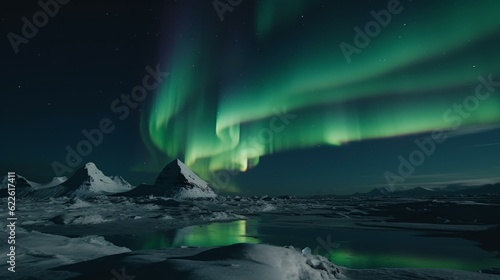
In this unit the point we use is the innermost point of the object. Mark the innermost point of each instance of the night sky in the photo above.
(266, 97)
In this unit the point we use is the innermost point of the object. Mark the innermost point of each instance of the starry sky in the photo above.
(257, 97)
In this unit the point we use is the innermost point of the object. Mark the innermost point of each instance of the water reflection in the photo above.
(156, 240)
(209, 235)
(363, 260)
(217, 234)
(356, 248)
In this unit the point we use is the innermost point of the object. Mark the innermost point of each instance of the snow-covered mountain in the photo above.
(423, 191)
(376, 192)
(54, 182)
(90, 181)
(27, 188)
(177, 181)
(379, 192)
(182, 183)
(410, 192)
(20, 182)
(418, 191)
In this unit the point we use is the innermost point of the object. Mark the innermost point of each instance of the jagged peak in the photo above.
(182, 181)
(90, 166)
(177, 162)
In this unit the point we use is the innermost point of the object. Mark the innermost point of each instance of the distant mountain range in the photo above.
(493, 189)
(87, 181)
(176, 181)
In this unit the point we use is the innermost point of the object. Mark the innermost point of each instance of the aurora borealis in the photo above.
(265, 101)
(252, 139)
(289, 66)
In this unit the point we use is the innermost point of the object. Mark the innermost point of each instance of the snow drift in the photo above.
(239, 261)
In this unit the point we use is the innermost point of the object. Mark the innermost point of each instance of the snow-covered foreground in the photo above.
(63, 238)
(36, 252)
(239, 261)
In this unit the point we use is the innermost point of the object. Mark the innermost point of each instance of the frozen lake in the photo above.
(371, 233)
(353, 247)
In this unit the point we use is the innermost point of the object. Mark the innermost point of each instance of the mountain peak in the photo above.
(91, 168)
(89, 181)
(180, 182)
(177, 162)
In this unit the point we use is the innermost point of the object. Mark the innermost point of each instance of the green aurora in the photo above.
(242, 231)
(295, 90)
